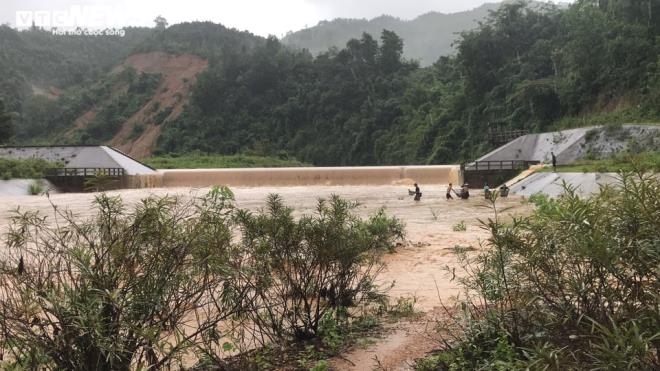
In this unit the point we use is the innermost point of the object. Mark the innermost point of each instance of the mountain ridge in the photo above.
(426, 37)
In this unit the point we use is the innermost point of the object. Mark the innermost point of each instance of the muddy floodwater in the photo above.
(418, 269)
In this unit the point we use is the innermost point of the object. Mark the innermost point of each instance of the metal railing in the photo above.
(498, 165)
(499, 137)
(85, 172)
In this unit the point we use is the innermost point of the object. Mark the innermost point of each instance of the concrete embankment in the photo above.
(576, 144)
(552, 184)
(330, 176)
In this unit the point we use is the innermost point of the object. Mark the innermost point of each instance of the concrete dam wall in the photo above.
(302, 176)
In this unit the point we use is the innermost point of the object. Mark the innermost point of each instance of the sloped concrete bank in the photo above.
(575, 144)
(19, 187)
(552, 184)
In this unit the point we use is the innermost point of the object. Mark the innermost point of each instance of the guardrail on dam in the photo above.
(300, 176)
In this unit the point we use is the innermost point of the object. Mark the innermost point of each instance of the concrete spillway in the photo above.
(305, 176)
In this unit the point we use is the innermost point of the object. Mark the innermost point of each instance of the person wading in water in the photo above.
(417, 193)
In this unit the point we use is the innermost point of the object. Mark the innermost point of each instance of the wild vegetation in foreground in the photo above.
(164, 284)
(206, 161)
(573, 286)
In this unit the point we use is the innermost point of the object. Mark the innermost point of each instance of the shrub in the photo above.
(322, 263)
(575, 285)
(36, 188)
(101, 182)
(24, 169)
(164, 282)
(459, 227)
(592, 134)
(138, 130)
(160, 117)
(404, 307)
(124, 289)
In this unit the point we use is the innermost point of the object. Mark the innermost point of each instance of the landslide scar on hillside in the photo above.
(179, 73)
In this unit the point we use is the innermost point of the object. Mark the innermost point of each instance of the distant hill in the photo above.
(203, 88)
(113, 90)
(426, 37)
(38, 62)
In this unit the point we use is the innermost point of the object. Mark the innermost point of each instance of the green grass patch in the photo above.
(23, 169)
(198, 161)
(36, 188)
(631, 115)
(648, 161)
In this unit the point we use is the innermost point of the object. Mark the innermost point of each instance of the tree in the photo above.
(391, 50)
(6, 127)
(161, 23)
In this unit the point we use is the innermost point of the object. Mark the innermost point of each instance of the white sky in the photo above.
(262, 17)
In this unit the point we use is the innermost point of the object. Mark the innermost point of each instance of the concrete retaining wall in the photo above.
(332, 176)
(575, 144)
(551, 184)
(494, 178)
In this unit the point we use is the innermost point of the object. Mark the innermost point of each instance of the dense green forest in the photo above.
(38, 59)
(528, 66)
(48, 80)
(426, 37)
(531, 68)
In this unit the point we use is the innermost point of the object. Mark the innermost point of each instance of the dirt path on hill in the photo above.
(397, 349)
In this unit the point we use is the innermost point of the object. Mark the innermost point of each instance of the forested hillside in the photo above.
(78, 89)
(535, 69)
(529, 67)
(38, 61)
(426, 37)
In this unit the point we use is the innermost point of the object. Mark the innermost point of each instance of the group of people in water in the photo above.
(463, 192)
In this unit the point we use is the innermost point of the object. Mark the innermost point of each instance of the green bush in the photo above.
(36, 188)
(165, 283)
(627, 161)
(324, 263)
(138, 129)
(160, 117)
(32, 168)
(120, 290)
(101, 182)
(459, 227)
(575, 286)
(206, 161)
(119, 108)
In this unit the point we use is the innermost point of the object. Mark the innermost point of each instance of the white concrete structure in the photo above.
(575, 144)
(552, 184)
(95, 157)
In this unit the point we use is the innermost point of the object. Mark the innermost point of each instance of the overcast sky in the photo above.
(262, 17)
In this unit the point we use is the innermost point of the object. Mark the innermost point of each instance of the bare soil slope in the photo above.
(179, 74)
